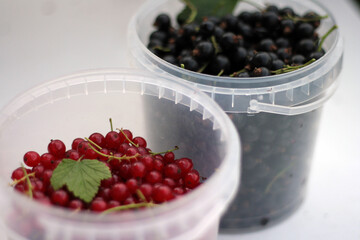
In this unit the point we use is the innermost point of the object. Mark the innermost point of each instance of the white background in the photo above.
(44, 39)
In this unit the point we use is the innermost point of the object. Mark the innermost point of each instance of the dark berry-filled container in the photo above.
(277, 116)
(80, 104)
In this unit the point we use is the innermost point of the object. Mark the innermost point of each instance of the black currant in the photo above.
(204, 50)
(260, 72)
(219, 64)
(261, 59)
(297, 59)
(162, 22)
(206, 28)
(277, 64)
(267, 45)
(189, 63)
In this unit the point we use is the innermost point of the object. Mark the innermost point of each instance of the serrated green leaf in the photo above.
(82, 178)
(206, 8)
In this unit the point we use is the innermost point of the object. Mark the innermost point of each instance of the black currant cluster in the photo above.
(251, 44)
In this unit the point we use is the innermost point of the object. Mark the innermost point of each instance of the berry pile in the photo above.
(251, 44)
(139, 177)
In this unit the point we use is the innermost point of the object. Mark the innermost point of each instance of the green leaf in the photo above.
(82, 178)
(206, 8)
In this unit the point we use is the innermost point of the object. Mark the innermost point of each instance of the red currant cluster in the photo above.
(138, 175)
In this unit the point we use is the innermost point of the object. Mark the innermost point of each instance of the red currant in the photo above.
(98, 205)
(185, 164)
(192, 179)
(162, 193)
(138, 170)
(172, 171)
(60, 197)
(75, 143)
(112, 140)
(57, 148)
(31, 158)
(139, 141)
(128, 134)
(153, 177)
(119, 192)
(17, 174)
(98, 139)
(47, 160)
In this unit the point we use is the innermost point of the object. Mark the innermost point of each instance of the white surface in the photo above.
(41, 40)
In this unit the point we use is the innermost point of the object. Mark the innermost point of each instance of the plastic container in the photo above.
(77, 105)
(277, 116)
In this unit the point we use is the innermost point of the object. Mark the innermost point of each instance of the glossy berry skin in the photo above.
(112, 140)
(75, 143)
(98, 205)
(206, 28)
(260, 72)
(192, 179)
(153, 177)
(76, 204)
(185, 165)
(31, 158)
(261, 59)
(138, 170)
(190, 63)
(162, 22)
(57, 148)
(204, 50)
(60, 198)
(141, 142)
(219, 64)
(125, 136)
(98, 139)
(172, 171)
(119, 192)
(162, 193)
(17, 174)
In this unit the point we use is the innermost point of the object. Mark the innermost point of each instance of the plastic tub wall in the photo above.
(80, 104)
(277, 116)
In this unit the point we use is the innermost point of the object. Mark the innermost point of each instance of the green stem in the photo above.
(121, 130)
(280, 174)
(128, 206)
(203, 67)
(163, 49)
(141, 195)
(87, 139)
(292, 68)
(111, 125)
(30, 193)
(16, 181)
(171, 150)
(325, 36)
(215, 44)
(220, 73)
(111, 157)
(193, 11)
(236, 73)
(182, 65)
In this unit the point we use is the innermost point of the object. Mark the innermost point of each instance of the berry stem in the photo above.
(215, 44)
(29, 192)
(132, 143)
(310, 19)
(16, 181)
(325, 36)
(111, 157)
(87, 139)
(193, 11)
(140, 195)
(162, 49)
(171, 150)
(236, 73)
(111, 125)
(220, 73)
(289, 68)
(182, 65)
(128, 206)
(203, 67)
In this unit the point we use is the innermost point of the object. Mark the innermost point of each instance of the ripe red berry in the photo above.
(146, 190)
(112, 204)
(185, 164)
(31, 158)
(123, 147)
(138, 170)
(47, 176)
(169, 157)
(139, 141)
(98, 205)
(119, 192)
(104, 151)
(172, 171)
(82, 147)
(162, 193)
(148, 161)
(125, 170)
(38, 170)
(72, 154)
(17, 174)
(192, 179)
(132, 185)
(153, 177)
(57, 148)
(98, 139)
(158, 165)
(75, 143)
(128, 134)
(76, 204)
(60, 197)
(169, 182)
(47, 160)
(112, 140)
(178, 191)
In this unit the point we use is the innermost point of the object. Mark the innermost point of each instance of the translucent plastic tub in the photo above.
(80, 104)
(277, 116)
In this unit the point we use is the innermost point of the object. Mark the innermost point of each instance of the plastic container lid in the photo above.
(77, 104)
(291, 93)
